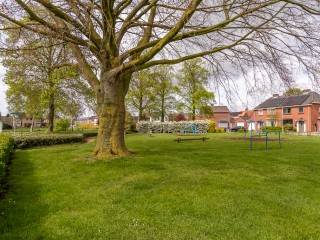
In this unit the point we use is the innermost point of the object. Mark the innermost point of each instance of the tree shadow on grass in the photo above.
(22, 211)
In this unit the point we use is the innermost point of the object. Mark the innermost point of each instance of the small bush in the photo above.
(6, 146)
(288, 127)
(62, 124)
(272, 129)
(6, 126)
(212, 126)
(219, 130)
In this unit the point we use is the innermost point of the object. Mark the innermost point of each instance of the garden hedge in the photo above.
(6, 146)
(171, 127)
(46, 140)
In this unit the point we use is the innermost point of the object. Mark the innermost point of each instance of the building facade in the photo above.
(302, 111)
(221, 115)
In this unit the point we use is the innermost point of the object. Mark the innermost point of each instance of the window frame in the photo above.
(271, 110)
(260, 112)
(300, 108)
(288, 110)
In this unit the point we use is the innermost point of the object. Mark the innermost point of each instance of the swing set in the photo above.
(261, 133)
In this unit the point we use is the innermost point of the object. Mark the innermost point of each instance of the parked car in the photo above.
(237, 128)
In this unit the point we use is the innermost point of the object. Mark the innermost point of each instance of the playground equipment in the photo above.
(260, 133)
(191, 128)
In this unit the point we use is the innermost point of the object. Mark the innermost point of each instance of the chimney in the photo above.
(306, 91)
(275, 95)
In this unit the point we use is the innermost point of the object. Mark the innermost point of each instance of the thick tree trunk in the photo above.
(111, 107)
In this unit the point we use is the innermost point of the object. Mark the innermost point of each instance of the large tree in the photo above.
(124, 36)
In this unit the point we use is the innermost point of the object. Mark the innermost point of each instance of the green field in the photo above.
(217, 189)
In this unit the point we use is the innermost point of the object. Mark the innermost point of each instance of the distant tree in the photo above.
(180, 117)
(293, 91)
(141, 94)
(192, 81)
(206, 112)
(163, 89)
(274, 117)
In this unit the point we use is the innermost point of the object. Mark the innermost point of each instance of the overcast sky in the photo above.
(3, 88)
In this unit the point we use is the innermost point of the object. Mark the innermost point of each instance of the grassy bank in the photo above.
(217, 189)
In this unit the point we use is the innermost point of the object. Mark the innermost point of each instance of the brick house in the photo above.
(221, 115)
(302, 111)
(242, 118)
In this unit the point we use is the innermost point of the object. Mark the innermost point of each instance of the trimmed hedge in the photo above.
(46, 140)
(6, 146)
(272, 129)
(170, 127)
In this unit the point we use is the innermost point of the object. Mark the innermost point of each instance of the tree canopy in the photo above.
(42, 77)
(112, 39)
(193, 79)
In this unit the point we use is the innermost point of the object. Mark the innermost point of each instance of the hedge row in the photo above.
(170, 127)
(46, 140)
(272, 129)
(6, 146)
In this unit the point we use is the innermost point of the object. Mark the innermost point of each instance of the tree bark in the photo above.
(111, 108)
(51, 114)
(162, 108)
(32, 124)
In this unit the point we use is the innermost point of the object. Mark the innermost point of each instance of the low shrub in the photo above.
(219, 130)
(6, 146)
(90, 134)
(62, 124)
(45, 140)
(6, 126)
(212, 126)
(87, 126)
(288, 127)
(272, 129)
(170, 127)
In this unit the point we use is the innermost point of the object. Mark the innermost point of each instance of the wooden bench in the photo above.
(188, 139)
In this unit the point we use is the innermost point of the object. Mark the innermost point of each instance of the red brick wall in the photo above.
(221, 117)
(310, 115)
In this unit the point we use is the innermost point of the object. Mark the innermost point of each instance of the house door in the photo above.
(318, 126)
(301, 126)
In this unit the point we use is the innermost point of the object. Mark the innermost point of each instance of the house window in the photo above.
(300, 109)
(270, 123)
(287, 121)
(260, 111)
(271, 110)
(223, 124)
(287, 111)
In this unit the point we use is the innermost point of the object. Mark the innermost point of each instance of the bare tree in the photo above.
(125, 36)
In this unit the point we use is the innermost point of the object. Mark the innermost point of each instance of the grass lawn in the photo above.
(217, 189)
